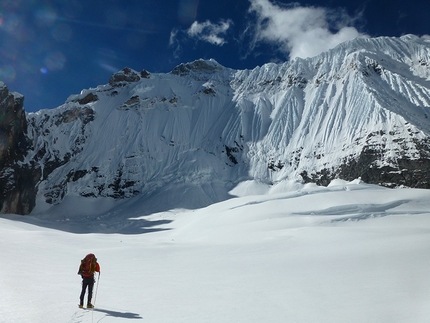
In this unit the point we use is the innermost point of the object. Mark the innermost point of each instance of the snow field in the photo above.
(350, 252)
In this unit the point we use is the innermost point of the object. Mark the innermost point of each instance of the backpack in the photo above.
(88, 265)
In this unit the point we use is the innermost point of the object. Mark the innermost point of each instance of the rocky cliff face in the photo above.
(17, 180)
(359, 110)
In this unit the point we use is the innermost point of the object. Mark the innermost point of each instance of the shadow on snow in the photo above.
(82, 226)
(126, 315)
(141, 214)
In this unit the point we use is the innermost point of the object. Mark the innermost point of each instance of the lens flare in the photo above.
(55, 61)
(62, 32)
(9, 23)
(7, 73)
(46, 16)
(108, 67)
(187, 10)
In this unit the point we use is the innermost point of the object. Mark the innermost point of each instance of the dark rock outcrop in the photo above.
(17, 182)
(126, 75)
(200, 65)
(408, 172)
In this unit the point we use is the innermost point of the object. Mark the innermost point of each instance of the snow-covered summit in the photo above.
(359, 110)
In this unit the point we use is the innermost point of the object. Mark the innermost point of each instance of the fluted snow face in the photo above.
(210, 126)
(316, 112)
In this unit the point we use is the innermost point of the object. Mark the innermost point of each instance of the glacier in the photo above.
(190, 136)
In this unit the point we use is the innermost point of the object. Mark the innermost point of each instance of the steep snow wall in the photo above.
(368, 96)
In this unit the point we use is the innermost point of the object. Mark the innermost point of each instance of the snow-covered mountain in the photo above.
(359, 110)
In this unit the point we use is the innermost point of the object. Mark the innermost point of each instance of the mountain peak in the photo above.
(198, 66)
(127, 75)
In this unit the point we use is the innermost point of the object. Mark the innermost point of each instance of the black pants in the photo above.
(87, 282)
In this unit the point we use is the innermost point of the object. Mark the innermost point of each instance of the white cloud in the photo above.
(175, 43)
(210, 32)
(300, 31)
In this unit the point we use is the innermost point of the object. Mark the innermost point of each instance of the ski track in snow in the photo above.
(78, 317)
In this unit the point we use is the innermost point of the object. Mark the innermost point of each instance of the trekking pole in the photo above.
(95, 298)
(97, 288)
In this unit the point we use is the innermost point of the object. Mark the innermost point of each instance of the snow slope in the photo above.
(349, 252)
(364, 103)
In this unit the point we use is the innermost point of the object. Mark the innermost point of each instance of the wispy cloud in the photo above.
(299, 31)
(207, 32)
(210, 32)
(175, 43)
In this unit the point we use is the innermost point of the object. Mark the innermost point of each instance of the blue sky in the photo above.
(52, 49)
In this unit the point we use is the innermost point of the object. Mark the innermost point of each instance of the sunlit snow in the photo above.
(349, 252)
